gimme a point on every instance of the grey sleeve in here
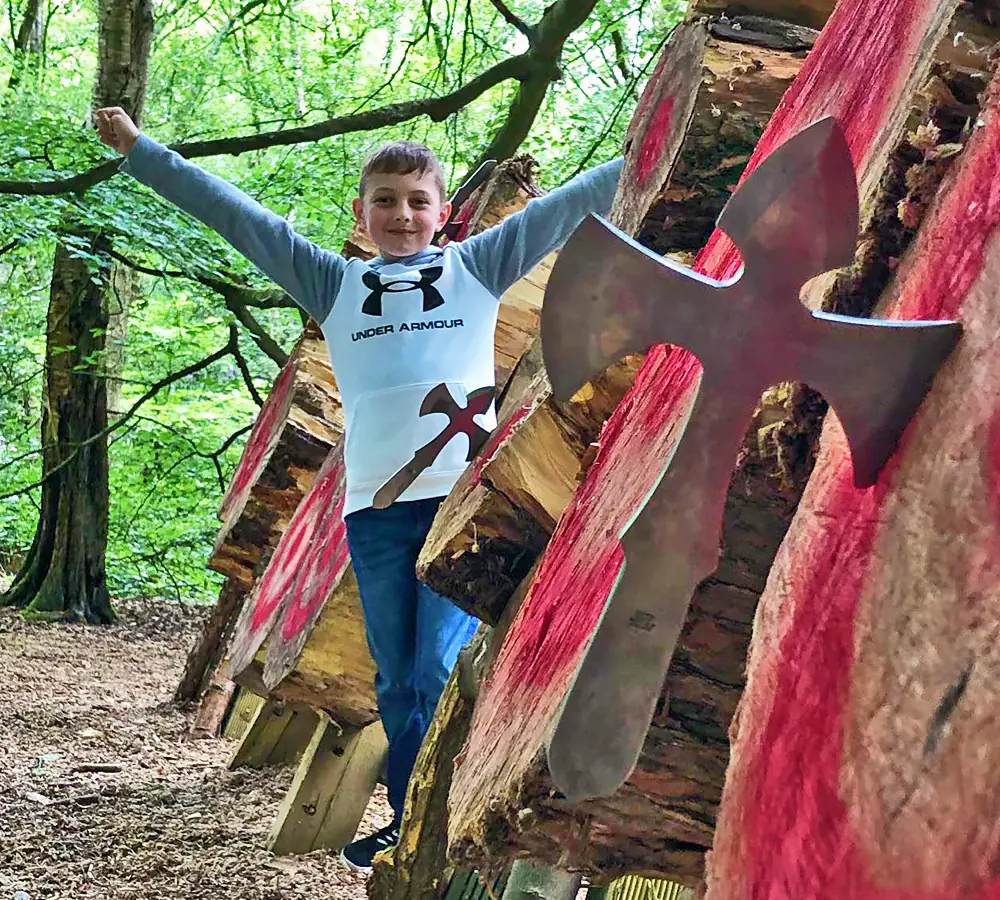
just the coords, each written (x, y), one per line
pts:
(310, 274)
(501, 255)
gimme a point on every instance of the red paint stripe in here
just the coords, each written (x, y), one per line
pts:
(654, 138)
(292, 550)
(321, 574)
(498, 436)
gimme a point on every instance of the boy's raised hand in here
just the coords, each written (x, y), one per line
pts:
(116, 128)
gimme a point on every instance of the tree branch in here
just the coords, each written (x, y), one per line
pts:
(241, 364)
(231, 24)
(558, 22)
(258, 298)
(512, 19)
(261, 338)
(437, 108)
(118, 423)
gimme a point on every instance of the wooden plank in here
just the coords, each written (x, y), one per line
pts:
(265, 730)
(241, 713)
(332, 786)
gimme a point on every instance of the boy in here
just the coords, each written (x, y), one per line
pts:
(434, 313)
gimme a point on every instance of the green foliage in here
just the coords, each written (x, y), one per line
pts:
(222, 68)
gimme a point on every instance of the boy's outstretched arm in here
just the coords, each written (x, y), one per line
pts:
(501, 255)
(310, 274)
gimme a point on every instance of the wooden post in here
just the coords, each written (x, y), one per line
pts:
(333, 784)
(536, 881)
(278, 734)
(242, 710)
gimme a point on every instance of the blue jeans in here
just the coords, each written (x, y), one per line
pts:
(414, 634)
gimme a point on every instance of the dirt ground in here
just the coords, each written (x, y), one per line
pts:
(166, 820)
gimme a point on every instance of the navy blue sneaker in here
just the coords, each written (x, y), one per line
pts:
(358, 855)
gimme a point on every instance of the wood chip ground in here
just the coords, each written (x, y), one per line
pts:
(102, 794)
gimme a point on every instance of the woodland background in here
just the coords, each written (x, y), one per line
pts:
(498, 79)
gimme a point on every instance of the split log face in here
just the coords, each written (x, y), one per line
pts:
(299, 422)
(863, 70)
(874, 677)
(498, 518)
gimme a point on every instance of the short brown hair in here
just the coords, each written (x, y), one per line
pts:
(401, 158)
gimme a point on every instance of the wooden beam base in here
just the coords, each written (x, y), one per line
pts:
(277, 735)
(334, 782)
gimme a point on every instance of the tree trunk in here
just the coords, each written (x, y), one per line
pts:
(64, 572)
(871, 684)
(28, 42)
(662, 821)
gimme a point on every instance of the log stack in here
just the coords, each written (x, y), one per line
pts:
(866, 742)
(874, 68)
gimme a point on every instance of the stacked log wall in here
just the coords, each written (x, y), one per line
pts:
(663, 820)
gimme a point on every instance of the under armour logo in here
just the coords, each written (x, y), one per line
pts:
(373, 302)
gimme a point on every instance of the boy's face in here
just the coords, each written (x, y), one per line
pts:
(402, 212)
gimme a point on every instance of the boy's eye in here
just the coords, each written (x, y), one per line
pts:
(383, 200)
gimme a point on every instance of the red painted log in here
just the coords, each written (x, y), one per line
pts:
(295, 551)
(317, 578)
(300, 421)
(867, 743)
(864, 69)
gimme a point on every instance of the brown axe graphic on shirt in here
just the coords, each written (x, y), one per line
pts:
(460, 421)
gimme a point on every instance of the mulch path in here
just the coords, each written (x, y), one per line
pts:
(102, 793)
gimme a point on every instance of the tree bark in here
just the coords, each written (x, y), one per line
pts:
(64, 573)
(662, 821)
(27, 43)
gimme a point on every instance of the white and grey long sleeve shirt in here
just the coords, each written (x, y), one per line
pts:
(394, 328)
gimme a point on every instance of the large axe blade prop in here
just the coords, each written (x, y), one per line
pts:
(795, 217)
(460, 421)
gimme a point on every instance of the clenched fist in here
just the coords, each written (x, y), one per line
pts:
(116, 128)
